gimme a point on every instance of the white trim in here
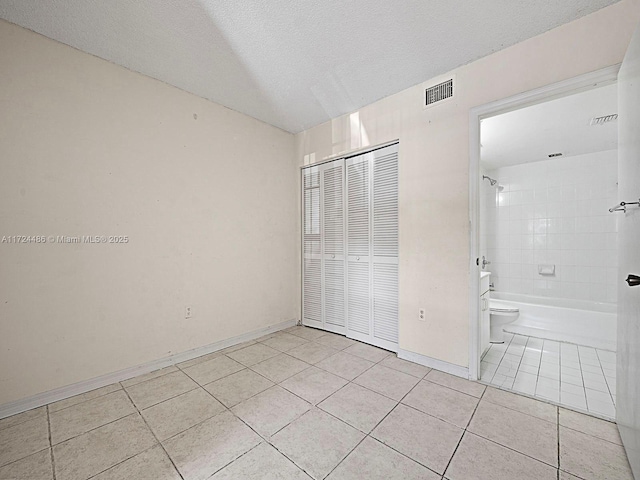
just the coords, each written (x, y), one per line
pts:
(441, 365)
(584, 82)
(44, 398)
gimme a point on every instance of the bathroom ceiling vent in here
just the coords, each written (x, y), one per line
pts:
(439, 92)
(603, 120)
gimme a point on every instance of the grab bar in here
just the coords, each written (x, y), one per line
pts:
(622, 206)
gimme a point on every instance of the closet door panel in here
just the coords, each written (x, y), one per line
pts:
(311, 238)
(385, 245)
(333, 245)
(358, 247)
(312, 305)
(358, 207)
(385, 302)
(359, 299)
(385, 203)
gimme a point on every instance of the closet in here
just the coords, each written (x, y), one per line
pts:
(350, 246)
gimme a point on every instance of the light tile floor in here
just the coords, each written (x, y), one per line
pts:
(334, 409)
(575, 376)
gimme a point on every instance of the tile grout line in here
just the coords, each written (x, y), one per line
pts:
(559, 383)
(368, 435)
(558, 434)
(605, 377)
(346, 423)
(521, 359)
(501, 359)
(121, 462)
(584, 386)
(84, 401)
(53, 461)
(464, 432)
(539, 365)
(154, 436)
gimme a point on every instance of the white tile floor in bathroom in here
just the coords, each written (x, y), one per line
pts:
(575, 376)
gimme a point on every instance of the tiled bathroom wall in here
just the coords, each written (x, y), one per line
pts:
(553, 213)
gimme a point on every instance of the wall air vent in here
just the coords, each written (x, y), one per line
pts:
(603, 120)
(439, 92)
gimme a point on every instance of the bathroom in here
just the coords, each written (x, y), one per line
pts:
(548, 177)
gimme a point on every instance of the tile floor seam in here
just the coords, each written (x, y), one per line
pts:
(227, 375)
(124, 460)
(84, 401)
(290, 459)
(572, 474)
(245, 399)
(168, 398)
(391, 447)
(444, 472)
(356, 428)
(53, 461)
(464, 432)
(188, 428)
(501, 358)
(512, 449)
(158, 442)
(121, 462)
(590, 435)
(558, 438)
(603, 374)
(137, 412)
(25, 421)
(425, 379)
(23, 458)
(538, 368)
(520, 394)
(403, 454)
(234, 460)
(342, 421)
(345, 457)
(268, 438)
(192, 426)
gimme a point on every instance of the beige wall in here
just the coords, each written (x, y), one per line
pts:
(210, 207)
(434, 164)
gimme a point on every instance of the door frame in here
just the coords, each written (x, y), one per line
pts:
(587, 81)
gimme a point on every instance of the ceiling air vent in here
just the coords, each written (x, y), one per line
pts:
(603, 120)
(438, 92)
(553, 155)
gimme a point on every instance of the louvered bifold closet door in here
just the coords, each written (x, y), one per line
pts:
(385, 246)
(332, 187)
(312, 304)
(358, 247)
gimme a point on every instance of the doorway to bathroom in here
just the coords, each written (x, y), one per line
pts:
(544, 303)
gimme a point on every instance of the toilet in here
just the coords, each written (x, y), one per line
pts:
(500, 314)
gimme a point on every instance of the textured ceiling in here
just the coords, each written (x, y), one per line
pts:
(293, 63)
(557, 126)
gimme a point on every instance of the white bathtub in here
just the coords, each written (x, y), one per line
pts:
(576, 321)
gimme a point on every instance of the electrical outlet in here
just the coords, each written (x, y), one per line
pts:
(187, 312)
(421, 315)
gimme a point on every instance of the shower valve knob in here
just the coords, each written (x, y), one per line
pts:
(633, 280)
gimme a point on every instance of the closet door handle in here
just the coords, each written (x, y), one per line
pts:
(357, 258)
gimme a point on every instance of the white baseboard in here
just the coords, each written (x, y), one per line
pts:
(84, 386)
(441, 365)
